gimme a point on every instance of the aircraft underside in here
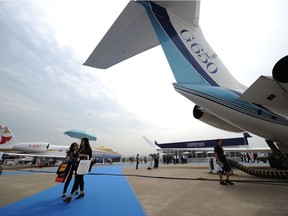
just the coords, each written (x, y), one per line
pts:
(242, 121)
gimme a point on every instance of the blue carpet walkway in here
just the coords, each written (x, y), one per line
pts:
(104, 195)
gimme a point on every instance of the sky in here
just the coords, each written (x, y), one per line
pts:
(46, 90)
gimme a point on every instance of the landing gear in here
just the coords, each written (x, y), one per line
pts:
(277, 159)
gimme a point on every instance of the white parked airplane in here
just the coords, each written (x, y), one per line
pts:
(237, 144)
(221, 101)
(11, 146)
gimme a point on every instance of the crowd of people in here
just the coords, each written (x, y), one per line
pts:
(143, 160)
(249, 157)
(76, 153)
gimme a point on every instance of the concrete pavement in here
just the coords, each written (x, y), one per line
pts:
(182, 189)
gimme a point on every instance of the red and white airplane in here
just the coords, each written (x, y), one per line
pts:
(11, 146)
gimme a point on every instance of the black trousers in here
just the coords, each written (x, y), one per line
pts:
(68, 178)
(79, 182)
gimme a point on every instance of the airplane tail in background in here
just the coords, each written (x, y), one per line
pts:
(6, 136)
(173, 24)
(151, 144)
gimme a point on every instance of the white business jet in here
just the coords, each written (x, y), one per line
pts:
(11, 146)
(221, 101)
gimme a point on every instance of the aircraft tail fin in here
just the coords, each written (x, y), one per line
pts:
(6, 136)
(246, 136)
(173, 24)
(151, 144)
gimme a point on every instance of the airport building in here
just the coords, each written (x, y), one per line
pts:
(200, 150)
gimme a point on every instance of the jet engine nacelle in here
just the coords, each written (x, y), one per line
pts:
(280, 70)
(31, 147)
(213, 120)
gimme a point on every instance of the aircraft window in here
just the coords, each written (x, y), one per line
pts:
(273, 117)
(259, 112)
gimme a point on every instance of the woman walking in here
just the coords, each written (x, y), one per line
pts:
(85, 152)
(71, 159)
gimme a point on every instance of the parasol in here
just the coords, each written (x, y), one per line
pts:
(80, 134)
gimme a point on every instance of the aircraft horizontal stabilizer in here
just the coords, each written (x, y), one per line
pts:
(133, 33)
(125, 38)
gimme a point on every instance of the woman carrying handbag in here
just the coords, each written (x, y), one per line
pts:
(85, 152)
(71, 158)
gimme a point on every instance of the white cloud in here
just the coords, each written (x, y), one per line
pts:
(45, 89)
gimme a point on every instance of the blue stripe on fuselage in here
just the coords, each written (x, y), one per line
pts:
(184, 67)
(229, 99)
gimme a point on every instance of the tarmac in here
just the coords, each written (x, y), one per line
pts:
(172, 189)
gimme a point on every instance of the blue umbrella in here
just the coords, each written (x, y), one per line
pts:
(79, 134)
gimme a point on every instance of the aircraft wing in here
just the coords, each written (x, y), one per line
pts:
(269, 93)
